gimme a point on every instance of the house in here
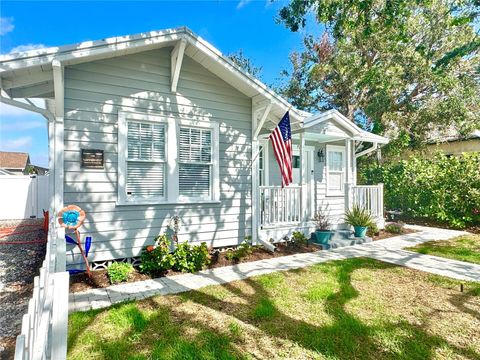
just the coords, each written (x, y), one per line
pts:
(452, 143)
(144, 127)
(18, 163)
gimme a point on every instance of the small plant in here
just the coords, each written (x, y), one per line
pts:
(119, 271)
(298, 239)
(321, 220)
(157, 259)
(191, 258)
(243, 250)
(373, 230)
(359, 216)
(394, 228)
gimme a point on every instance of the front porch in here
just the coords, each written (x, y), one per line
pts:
(325, 152)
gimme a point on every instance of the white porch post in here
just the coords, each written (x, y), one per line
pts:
(58, 159)
(303, 195)
(255, 184)
(348, 173)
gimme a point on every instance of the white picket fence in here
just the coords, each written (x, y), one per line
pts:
(369, 197)
(23, 197)
(44, 326)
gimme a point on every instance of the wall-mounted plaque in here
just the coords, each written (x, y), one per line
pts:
(92, 159)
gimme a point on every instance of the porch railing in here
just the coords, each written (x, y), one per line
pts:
(280, 205)
(369, 197)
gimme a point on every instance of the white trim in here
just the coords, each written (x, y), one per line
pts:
(262, 120)
(176, 63)
(341, 149)
(171, 156)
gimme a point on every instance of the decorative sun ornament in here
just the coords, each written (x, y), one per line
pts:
(71, 217)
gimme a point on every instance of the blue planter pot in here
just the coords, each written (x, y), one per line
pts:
(360, 231)
(322, 236)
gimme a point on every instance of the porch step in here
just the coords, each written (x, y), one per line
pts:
(338, 243)
(341, 235)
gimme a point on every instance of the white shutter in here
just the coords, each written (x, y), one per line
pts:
(195, 155)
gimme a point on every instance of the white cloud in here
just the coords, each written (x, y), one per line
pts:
(242, 3)
(6, 25)
(20, 143)
(27, 47)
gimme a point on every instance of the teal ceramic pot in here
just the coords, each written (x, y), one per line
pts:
(322, 236)
(360, 231)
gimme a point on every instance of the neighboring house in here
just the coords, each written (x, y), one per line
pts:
(454, 144)
(18, 163)
(148, 126)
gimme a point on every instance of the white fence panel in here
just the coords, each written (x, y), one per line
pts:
(23, 197)
(44, 326)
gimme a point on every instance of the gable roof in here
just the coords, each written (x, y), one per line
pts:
(354, 131)
(30, 72)
(14, 160)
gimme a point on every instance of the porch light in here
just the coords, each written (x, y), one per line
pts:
(320, 155)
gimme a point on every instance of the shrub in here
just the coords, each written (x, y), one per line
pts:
(394, 228)
(243, 250)
(359, 216)
(373, 230)
(191, 258)
(119, 271)
(443, 189)
(157, 259)
(298, 239)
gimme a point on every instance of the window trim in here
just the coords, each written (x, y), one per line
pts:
(171, 157)
(335, 148)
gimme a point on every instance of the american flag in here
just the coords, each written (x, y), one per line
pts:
(281, 138)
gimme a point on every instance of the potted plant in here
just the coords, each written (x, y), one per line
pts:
(360, 218)
(322, 227)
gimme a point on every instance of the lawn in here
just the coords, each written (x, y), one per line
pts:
(349, 309)
(463, 248)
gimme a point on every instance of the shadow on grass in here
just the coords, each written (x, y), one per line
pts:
(167, 332)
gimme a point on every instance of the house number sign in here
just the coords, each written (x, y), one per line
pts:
(92, 159)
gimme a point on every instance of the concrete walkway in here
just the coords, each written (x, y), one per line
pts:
(387, 250)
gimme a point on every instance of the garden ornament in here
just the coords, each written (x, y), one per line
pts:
(72, 217)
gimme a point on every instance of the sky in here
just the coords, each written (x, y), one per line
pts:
(229, 25)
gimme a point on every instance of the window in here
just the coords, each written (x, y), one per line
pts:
(154, 167)
(145, 160)
(296, 161)
(335, 170)
(195, 167)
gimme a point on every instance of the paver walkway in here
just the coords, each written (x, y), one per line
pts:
(387, 250)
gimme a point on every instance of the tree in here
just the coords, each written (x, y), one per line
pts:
(245, 63)
(409, 67)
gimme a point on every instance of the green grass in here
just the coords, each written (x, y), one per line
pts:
(350, 309)
(463, 248)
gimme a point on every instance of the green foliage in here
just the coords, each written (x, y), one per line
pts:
(298, 239)
(443, 189)
(189, 258)
(243, 250)
(394, 228)
(411, 66)
(373, 230)
(119, 271)
(155, 260)
(359, 216)
(245, 63)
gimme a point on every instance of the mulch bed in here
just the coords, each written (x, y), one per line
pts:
(21, 255)
(385, 234)
(80, 282)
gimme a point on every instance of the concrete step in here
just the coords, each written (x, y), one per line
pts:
(338, 243)
(341, 235)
